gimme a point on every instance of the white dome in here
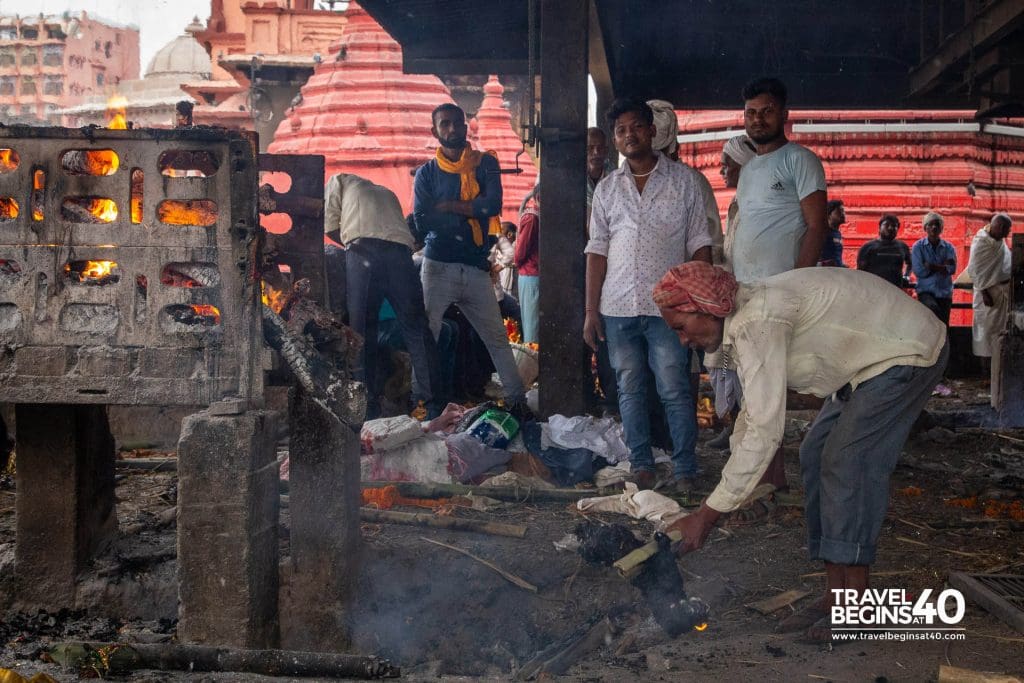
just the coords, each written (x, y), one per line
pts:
(182, 57)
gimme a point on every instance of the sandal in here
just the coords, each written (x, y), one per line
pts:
(802, 619)
(751, 514)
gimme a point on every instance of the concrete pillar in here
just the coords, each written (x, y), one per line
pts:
(324, 540)
(227, 529)
(65, 503)
(564, 366)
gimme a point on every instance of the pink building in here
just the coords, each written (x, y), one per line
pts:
(51, 63)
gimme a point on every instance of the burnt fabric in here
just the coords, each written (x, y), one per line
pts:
(697, 287)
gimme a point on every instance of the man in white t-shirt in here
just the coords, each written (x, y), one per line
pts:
(781, 193)
(781, 196)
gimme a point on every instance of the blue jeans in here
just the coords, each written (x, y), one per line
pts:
(633, 344)
(849, 454)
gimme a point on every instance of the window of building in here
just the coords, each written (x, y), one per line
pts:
(54, 85)
(96, 46)
(6, 85)
(7, 57)
(117, 38)
(99, 78)
(107, 47)
(29, 57)
(8, 33)
(29, 33)
(53, 55)
(28, 110)
(5, 110)
(28, 85)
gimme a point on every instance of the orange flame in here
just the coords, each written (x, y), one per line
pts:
(136, 197)
(705, 413)
(116, 115)
(104, 209)
(701, 627)
(273, 298)
(38, 184)
(207, 311)
(200, 212)
(8, 208)
(91, 270)
(8, 160)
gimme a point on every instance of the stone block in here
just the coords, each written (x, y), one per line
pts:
(325, 538)
(103, 361)
(65, 502)
(166, 362)
(227, 530)
(41, 361)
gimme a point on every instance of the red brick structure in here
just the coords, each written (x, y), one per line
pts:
(901, 162)
(494, 132)
(362, 113)
(51, 63)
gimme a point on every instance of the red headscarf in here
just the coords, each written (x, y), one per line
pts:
(697, 287)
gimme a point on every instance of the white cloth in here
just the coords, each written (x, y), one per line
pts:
(989, 268)
(740, 149)
(666, 127)
(648, 505)
(360, 208)
(602, 436)
(772, 226)
(503, 254)
(643, 236)
(813, 330)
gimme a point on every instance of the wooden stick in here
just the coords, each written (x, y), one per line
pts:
(629, 565)
(431, 520)
(777, 602)
(506, 575)
(181, 657)
(155, 464)
(412, 489)
(886, 573)
(904, 539)
(953, 674)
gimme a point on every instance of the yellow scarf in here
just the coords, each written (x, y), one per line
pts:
(466, 167)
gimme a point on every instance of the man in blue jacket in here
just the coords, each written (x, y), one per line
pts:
(456, 206)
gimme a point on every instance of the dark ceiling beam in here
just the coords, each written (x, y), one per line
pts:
(598, 58)
(995, 22)
(463, 67)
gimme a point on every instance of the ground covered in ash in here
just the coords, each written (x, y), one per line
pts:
(438, 613)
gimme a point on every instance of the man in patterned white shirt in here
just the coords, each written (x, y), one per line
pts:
(647, 217)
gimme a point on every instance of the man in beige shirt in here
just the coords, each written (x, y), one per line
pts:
(367, 220)
(873, 353)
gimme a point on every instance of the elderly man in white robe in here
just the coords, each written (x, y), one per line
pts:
(989, 269)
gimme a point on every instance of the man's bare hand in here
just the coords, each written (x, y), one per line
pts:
(592, 330)
(695, 528)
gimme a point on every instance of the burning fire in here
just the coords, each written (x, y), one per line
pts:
(8, 209)
(98, 271)
(705, 413)
(701, 627)
(273, 298)
(136, 199)
(200, 212)
(210, 314)
(8, 160)
(116, 115)
(38, 185)
(105, 210)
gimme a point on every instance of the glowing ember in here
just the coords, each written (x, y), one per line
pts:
(8, 209)
(209, 314)
(92, 272)
(273, 298)
(136, 198)
(104, 209)
(38, 187)
(705, 413)
(200, 212)
(700, 627)
(8, 160)
(116, 115)
(90, 162)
